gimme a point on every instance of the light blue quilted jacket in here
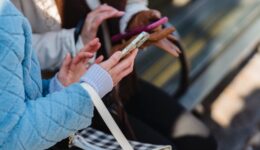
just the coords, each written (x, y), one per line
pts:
(30, 118)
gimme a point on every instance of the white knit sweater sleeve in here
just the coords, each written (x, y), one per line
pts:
(132, 7)
(52, 47)
(50, 42)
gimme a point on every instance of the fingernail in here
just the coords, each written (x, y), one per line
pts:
(118, 53)
(96, 39)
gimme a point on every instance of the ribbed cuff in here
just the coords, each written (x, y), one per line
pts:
(55, 85)
(131, 10)
(99, 79)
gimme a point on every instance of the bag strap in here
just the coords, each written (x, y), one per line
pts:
(108, 119)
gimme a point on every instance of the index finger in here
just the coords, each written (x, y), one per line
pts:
(92, 46)
(103, 7)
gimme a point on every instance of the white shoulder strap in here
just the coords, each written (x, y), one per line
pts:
(108, 119)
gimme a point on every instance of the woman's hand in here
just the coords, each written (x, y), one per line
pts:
(160, 37)
(117, 68)
(95, 18)
(73, 68)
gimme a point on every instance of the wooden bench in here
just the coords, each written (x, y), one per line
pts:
(217, 36)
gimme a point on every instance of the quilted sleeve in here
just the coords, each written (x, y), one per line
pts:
(27, 124)
(42, 122)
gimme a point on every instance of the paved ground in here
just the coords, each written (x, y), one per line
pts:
(236, 112)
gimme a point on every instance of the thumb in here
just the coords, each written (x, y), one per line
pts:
(112, 61)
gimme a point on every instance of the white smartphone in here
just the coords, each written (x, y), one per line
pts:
(136, 43)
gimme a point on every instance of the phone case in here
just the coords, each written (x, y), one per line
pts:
(138, 30)
(136, 43)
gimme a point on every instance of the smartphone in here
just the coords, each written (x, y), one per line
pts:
(135, 31)
(136, 43)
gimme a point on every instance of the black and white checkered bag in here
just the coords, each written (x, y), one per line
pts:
(91, 139)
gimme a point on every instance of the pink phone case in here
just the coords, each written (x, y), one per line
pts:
(138, 30)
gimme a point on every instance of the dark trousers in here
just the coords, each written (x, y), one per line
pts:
(152, 110)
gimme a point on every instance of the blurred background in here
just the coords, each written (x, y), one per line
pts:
(217, 77)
